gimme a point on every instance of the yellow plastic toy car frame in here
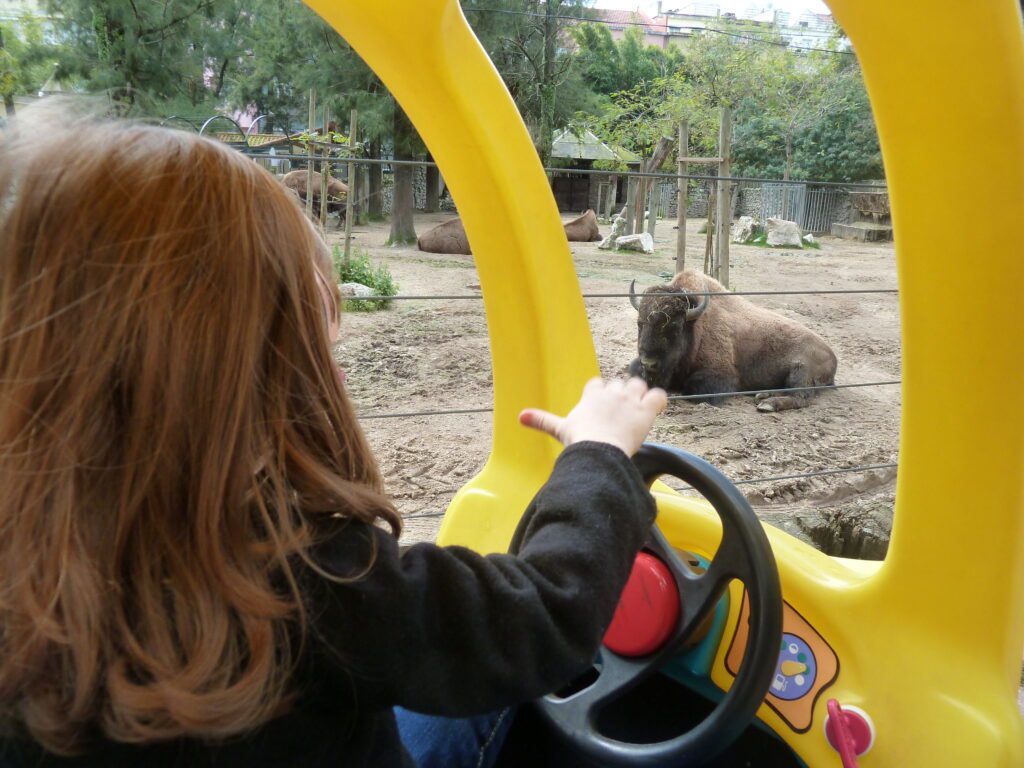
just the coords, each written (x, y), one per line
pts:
(929, 640)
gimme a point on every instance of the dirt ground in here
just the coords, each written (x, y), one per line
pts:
(434, 355)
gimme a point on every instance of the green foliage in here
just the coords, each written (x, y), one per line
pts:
(23, 69)
(144, 55)
(360, 270)
(608, 66)
(797, 114)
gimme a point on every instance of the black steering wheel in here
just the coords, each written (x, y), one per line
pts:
(744, 554)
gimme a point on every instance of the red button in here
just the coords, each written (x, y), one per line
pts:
(648, 609)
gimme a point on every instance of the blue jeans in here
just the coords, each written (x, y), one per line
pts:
(454, 742)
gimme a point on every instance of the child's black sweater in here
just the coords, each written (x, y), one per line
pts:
(439, 630)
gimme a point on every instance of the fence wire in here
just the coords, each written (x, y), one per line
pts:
(478, 297)
(411, 414)
(802, 475)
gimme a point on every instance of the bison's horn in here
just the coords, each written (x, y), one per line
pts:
(633, 298)
(695, 312)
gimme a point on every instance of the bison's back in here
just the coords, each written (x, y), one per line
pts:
(765, 348)
(448, 237)
(297, 182)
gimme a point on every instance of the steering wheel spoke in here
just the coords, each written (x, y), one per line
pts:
(743, 554)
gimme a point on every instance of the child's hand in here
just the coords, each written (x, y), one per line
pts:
(617, 412)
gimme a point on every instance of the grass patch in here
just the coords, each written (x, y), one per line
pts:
(360, 270)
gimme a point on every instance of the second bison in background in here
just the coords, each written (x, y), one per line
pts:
(450, 236)
(337, 191)
(697, 345)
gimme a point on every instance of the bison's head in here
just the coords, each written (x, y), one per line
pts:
(665, 331)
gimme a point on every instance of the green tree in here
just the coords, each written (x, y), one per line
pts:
(23, 68)
(610, 66)
(141, 54)
(530, 44)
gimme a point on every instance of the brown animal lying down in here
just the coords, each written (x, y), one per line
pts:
(450, 237)
(702, 345)
(337, 191)
(584, 229)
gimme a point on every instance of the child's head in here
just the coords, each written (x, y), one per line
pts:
(172, 430)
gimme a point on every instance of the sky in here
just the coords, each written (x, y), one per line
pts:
(727, 6)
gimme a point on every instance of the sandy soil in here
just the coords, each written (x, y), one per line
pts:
(434, 355)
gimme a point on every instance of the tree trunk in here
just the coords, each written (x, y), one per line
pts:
(547, 85)
(374, 206)
(433, 188)
(403, 229)
(789, 157)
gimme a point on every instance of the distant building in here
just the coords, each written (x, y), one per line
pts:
(803, 29)
(618, 22)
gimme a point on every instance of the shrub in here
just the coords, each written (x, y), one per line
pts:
(360, 270)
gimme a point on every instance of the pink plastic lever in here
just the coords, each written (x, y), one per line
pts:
(849, 732)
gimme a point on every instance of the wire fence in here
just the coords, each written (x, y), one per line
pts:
(702, 396)
(812, 204)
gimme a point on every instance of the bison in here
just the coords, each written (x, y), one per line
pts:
(583, 229)
(447, 237)
(450, 236)
(337, 191)
(695, 345)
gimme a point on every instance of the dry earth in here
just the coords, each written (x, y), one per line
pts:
(434, 355)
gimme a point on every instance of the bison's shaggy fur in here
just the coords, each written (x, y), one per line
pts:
(731, 345)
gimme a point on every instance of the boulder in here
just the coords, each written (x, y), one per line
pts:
(583, 229)
(355, 289)
(618, 230)
(447, 237)
(783, 233)
(743, 230)
(642, 242)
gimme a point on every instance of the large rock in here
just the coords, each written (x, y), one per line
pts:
(584, 229)
(618, 230)
(448, 237)
(642, 242)
(355, 289)
(743, 230)
(783, 233)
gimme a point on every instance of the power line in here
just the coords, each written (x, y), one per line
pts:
(256, 153)
(654, 28)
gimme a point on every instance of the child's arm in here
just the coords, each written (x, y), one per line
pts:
(444, 630)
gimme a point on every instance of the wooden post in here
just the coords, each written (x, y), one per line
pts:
(724, 223)
(639, 201)
(631, 186)
(325, 173)
(652, 207)
(363, 202)
(309, 153)
(709, 265)
(682, 185)
(349, 207)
